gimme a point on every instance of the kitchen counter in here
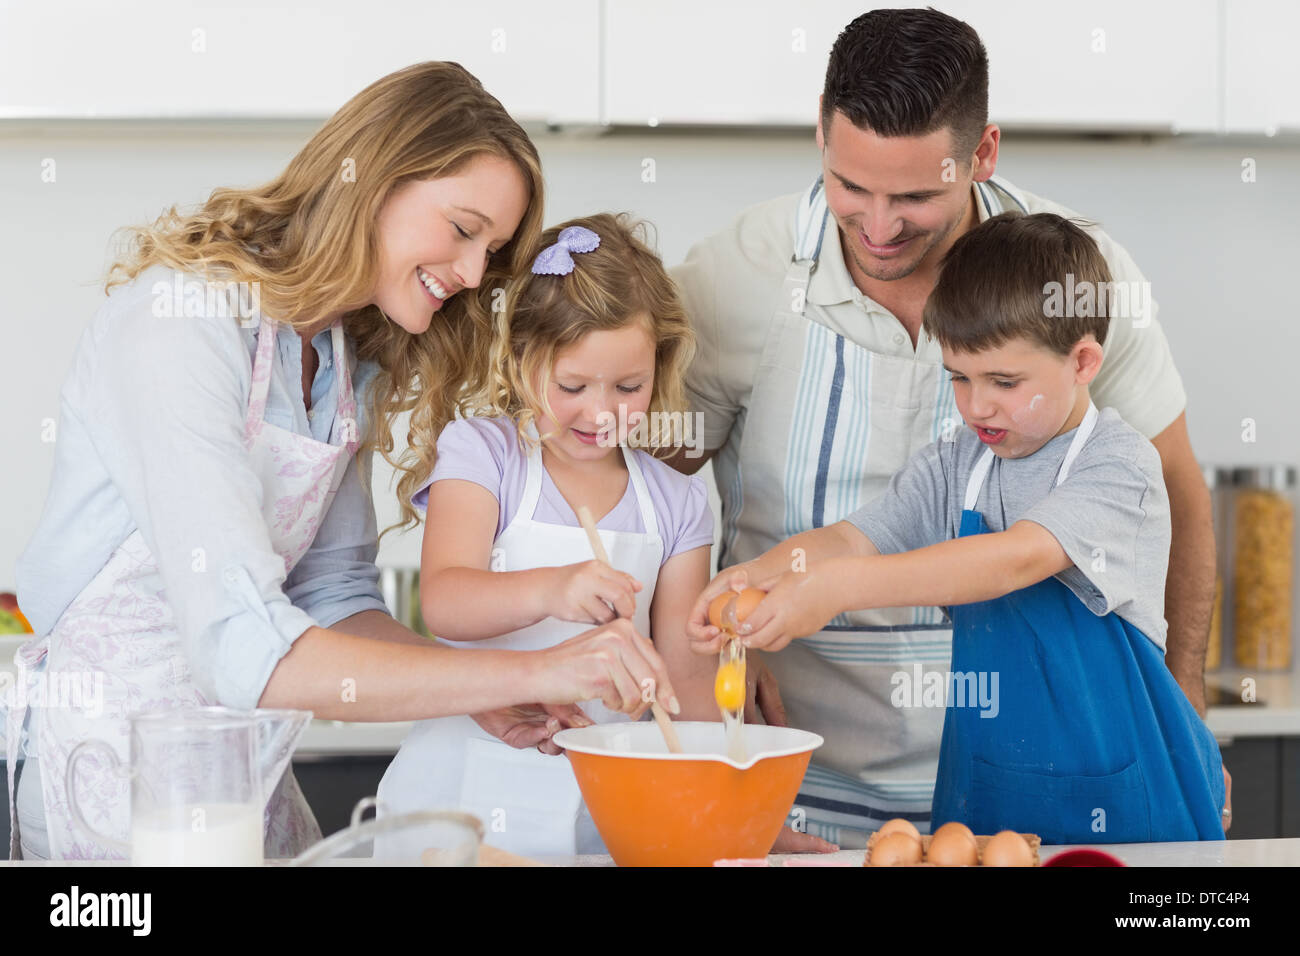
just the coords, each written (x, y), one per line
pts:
(1208, 854)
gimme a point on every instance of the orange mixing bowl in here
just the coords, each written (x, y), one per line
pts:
(654, 808)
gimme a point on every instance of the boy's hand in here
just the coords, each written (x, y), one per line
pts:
(590, 593)
(798, 604)
(704, 637)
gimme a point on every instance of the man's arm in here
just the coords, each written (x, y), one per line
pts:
(688, 464)
(1189, 586)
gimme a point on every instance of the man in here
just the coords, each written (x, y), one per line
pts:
(816, 384)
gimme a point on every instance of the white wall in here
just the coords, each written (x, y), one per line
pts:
(1220, 253)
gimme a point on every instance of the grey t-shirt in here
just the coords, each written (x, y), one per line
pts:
(1110, 515)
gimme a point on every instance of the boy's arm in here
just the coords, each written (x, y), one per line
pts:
(960, 571)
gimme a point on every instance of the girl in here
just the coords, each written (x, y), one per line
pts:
(209, 535)
(591, 337)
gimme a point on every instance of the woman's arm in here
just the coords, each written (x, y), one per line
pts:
(680, 580)
(960, 571)
(341, 676)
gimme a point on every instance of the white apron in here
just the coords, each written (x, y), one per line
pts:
(529, 802)
(831, 422)
(121, 627)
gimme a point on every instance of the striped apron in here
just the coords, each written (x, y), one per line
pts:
(827, 425)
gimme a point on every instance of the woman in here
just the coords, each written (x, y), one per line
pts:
(209, 535)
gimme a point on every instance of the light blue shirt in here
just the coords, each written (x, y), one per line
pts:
(151, 437)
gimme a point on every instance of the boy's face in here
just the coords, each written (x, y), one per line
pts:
(1020, 395)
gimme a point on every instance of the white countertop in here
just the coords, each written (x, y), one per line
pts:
(1275, 714)
(1208, 854)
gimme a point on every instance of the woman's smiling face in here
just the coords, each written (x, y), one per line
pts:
(436, 236)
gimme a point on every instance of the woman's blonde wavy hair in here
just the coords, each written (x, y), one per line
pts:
(309, 238)
(619, 282)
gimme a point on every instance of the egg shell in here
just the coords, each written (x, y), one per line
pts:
(952, 826)
(952, 848)
(746, 601)
(1007, 848)
(899, 825)
(895, 849)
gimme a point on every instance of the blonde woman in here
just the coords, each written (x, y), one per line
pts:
(208, 535)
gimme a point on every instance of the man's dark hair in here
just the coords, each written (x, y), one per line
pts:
(909, 73)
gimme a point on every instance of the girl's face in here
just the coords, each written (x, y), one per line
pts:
(603, 379)
(1020, 396)
(435, 236)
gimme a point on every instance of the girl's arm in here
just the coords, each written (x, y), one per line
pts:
(464, 600)
(960, 571)
(680, 580)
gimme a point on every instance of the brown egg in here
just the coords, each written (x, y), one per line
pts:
(746, 601)
(1008, 848)
(899, 825)
(952, 826)
(895, 849)
(951, 847)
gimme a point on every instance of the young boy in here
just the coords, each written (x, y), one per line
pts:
(1043, 526)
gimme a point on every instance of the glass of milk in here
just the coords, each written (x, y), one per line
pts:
(200, 780)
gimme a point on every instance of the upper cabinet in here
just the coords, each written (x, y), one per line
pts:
(1104, 64)
(164, 58)
(1261, 69)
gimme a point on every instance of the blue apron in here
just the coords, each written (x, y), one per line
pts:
(1091, 741)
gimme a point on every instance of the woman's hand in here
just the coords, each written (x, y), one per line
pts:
(799, 603)
(590, 593)
(532, 725)
(613, 664)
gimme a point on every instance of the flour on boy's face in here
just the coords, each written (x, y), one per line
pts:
(1015, 397)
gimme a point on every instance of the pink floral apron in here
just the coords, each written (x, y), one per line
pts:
(121, 627)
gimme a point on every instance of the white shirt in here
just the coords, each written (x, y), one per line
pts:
(151, 437)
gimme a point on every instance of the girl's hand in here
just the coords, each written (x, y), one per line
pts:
(798, 604)
(612, 663)
(704, 637)
(590, 593)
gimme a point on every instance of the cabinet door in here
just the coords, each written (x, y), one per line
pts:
(1104, 64)
(161, 58)
(725, 62)
(1262, 71)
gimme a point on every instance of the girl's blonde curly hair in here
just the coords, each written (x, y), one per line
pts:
(620, 282)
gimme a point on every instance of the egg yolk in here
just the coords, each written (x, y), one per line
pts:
(729, 687)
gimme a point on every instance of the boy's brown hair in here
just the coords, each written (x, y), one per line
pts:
(1039, 277)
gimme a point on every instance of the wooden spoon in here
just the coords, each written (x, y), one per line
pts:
(598, 549)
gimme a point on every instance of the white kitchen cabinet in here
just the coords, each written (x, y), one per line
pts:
(170, 58)
(1103, 64)
(1262, 71)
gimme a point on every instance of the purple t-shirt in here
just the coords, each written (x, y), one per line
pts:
(486, 451)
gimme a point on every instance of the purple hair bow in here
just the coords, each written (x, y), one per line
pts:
(556, 260)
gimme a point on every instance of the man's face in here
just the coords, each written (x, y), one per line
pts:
(892, 197)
